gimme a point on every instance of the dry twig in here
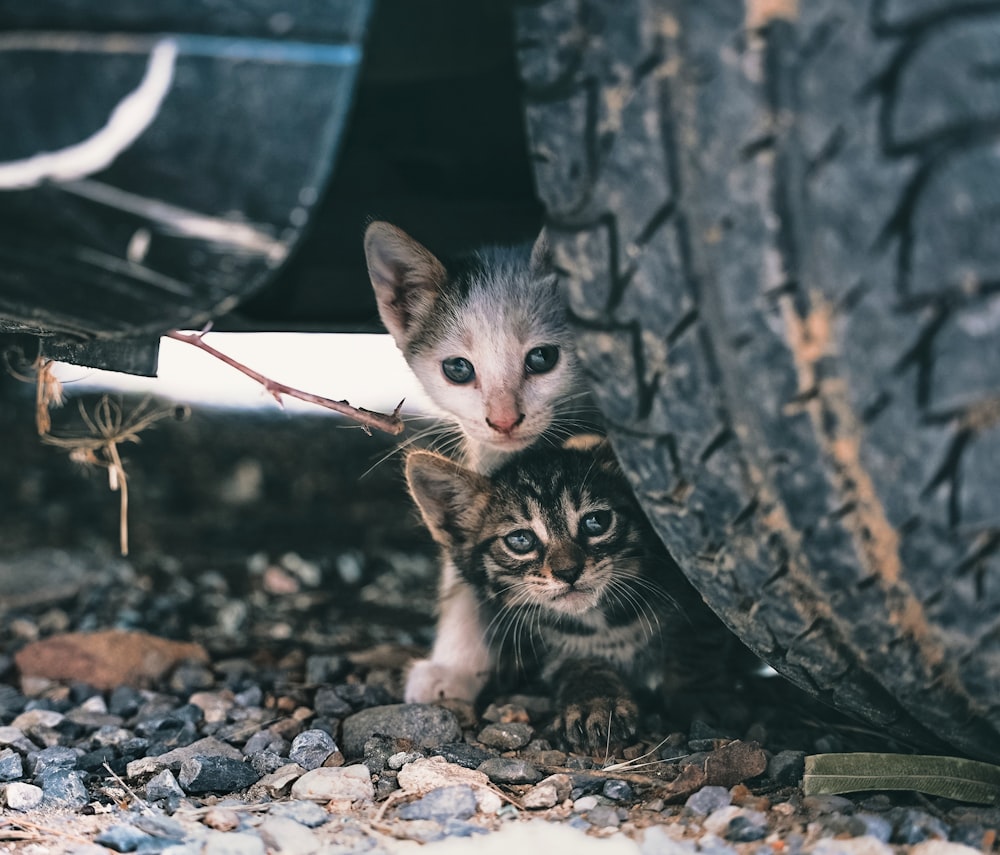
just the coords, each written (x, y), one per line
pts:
(48, 387)
(108, 426)
(391, 424)
(23, 829)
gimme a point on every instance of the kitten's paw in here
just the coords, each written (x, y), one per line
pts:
(601, 725)
(428, 682)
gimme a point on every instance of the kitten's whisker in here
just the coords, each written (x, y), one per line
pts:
(400, 447)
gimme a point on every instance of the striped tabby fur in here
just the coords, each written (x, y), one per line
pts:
(573, 585)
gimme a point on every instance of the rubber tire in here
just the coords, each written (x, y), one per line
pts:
(774, 231)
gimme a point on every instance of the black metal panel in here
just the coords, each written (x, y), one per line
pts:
(153, 180)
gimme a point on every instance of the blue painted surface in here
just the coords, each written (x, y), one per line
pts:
(267, 50)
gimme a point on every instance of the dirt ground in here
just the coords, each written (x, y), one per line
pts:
(287, 543)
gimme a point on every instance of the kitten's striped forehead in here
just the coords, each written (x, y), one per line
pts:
(547, 496)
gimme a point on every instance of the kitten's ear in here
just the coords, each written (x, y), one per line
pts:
(451, 498)
(597, 445)
(406, 278)
(541, 255)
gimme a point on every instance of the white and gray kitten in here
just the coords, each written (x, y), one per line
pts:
(487, 338)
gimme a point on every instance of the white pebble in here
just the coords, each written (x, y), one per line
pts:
(288, 836)
(335, 783)
(718, 820)
(866, 845)
(20, 796)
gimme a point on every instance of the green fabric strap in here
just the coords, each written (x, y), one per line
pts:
(950, 777)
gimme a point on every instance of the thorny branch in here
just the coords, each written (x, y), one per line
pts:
(391, 424)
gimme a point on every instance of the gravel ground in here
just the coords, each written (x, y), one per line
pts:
(248, 699)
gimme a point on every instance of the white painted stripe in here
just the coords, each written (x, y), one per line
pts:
(181, 221)
(129, 119)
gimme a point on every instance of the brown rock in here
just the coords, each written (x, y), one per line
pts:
(725, 767)
(106, 659)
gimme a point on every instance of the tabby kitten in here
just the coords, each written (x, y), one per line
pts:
(487, 338)
(574, 586)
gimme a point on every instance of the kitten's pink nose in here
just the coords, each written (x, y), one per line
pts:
(505, 422)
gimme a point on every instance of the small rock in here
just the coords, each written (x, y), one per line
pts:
(328, 703)
(747, 826)
(111, 735)
(385, 784)
(915, 826)
(163, 786)
(232, 843)
(378, 749)
(710, 844)
(702, 730)
(105, 659)
(604, 816)
(786, 768)
(827, 804)
(506, 736)
(124, 701)
(123, 838)
(718, 820)
(504, 770)
(30, 719)
(585, 803)
(853, 846)
(266, 762)
(215, 775)
(616, 790)
(398, 760)
(279, 782)
(14, 737)
(427, 726)
(421, 830)
(325, 669)
(20, 796)
(311, 748)
(260, 741)
(11, 767)
(941, 847)
(877, 802)
(215, 706)
(287, 836)
(335, 783)
(431, 773)
(63, 788)
(969, 834)
(460, 828)
(57, 757)
(707, 800)
(875, 826)
(547, 793)
(306, 813)
(221, 819)
(174, 759)
(463, 754)
(442, 804)
(363, 695)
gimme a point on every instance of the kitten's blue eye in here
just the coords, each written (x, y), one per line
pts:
(541, 359)
(595, 523)
(521, 541)
(458, 369)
